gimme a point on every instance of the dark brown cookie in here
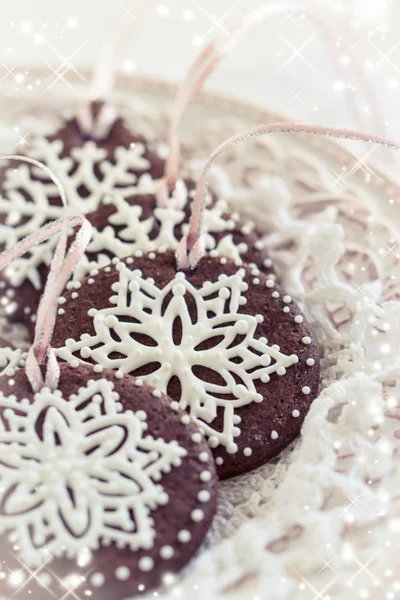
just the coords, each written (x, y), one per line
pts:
(229, 345)
(89, 170)
(105, 489)
(125, 226)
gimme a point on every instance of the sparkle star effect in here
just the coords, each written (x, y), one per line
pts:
(128, 11)
(319, 594)
(385, 58)
(66, 66)
(359, 164)
(363, 568)
(216, 22)
(390, 250)
(298, 53)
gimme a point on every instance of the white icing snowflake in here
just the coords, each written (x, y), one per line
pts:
(138, 331)
(141, 234)
(10, 359)
(78, 172)
(76, 472)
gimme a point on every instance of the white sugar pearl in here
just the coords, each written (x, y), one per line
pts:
(196, 438)
(306, 390)
(111, 321)
(295, 413)
(204, 496)
(310, 362)
(86, 352)
(166, 552)
(242, 326)
(281, 371)
(275, 294)
(203, 456)
(270, 283)
(274, 435)
(224, 293)
(286, 309)
(179, 289)
(298, 319)
(218, 461)
(306, 340)
(122, 573)
(247, 451)
(205, 476)
(97, 368)
(184, 536)
(185, 419)
(287, 299)
(197, 515)
(267, 262)
(146, 563)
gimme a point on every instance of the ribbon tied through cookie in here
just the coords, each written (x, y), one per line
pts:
(62, 266)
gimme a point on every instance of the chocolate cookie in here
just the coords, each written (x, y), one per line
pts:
(227, 344)
(89, 170)
(123, 227)
(105, 489)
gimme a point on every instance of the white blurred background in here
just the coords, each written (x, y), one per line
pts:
(282, 64)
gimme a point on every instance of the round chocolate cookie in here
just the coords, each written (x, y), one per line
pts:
(231, 347)
(88, 170)
(137, 225)
(105, 490)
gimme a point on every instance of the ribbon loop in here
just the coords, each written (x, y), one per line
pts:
(205, 64)
(190, 249)
(62, 266)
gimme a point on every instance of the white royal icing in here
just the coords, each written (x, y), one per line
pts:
(10, 359)
(140, 308)
(88, 169)
(141, 234)
(24, 216)
(76, 471)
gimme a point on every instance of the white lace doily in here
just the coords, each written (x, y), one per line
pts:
(322, 521)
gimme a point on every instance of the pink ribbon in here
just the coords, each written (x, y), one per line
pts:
(191, 247)
(213, 53)
(61, 268)
(103, 76)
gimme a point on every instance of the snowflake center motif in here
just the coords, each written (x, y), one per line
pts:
(75, 473)
(196, 335)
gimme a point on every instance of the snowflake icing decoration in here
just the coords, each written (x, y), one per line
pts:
(75, 473)
(79, 175)
(11, 359)
(138, 331)
(156, 233)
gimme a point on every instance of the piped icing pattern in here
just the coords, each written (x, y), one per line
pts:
(115, 190)
(189, 336)
(125, 226)
(99, 477)
(140, 309)
(10, 360)
(79, 473)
